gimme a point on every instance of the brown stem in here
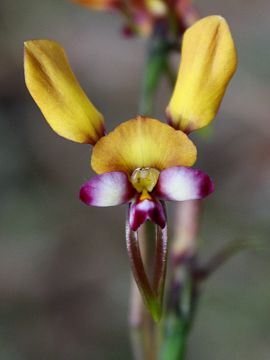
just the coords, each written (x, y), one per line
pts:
(137, 267)
(142, 332)
(223, 255)
(186, 228)
(161, 262)
(136, 323)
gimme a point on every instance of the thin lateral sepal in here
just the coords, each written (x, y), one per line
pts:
(150, 298)
(160, 261)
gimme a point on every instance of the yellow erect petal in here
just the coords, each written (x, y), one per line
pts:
(142, 143)
(208, 63)
(100, 4)
(58, 94)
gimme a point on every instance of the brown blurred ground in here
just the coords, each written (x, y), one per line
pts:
(64, 273)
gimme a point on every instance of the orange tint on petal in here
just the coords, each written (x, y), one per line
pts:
(208, 62)
(55, 89)
(142, 142)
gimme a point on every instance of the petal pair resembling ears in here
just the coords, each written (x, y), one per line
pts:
(208, 62)
(58, 94)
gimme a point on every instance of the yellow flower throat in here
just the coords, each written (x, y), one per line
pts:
(144, 180)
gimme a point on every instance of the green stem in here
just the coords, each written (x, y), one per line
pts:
(174, 348)
(183, 290)
(179, 317)
(156, 66)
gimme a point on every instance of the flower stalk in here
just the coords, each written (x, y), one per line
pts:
(142, 326)
(159, 46)
(140, 322)
(183, 290)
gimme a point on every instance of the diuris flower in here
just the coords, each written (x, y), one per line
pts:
(140, 162)
(143, 162)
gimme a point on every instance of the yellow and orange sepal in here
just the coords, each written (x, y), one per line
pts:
(55, 89)
(208, 61)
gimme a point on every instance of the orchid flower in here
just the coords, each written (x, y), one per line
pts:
(142, 162)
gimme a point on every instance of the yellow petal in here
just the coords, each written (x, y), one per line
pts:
(58, 94)
(99, 4)
(142, 143)
(208, 63)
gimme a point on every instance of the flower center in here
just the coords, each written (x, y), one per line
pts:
(144, 180)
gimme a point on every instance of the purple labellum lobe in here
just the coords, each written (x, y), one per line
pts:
(140, 211)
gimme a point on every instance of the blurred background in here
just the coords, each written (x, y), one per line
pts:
(64, 272)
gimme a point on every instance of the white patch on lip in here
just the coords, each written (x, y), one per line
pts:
(108, 189)
(146, 205)
(182, 183)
